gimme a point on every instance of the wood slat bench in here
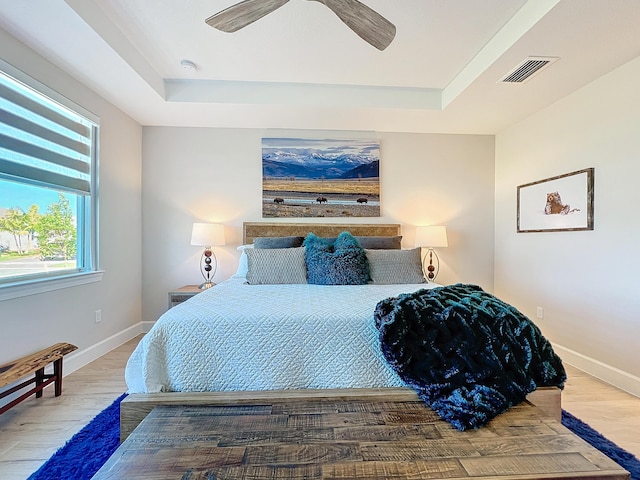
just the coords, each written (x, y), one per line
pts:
(35, 363)
(309, 435)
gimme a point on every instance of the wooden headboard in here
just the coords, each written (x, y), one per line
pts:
(250, 230)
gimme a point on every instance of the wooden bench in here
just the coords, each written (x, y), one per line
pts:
(35, 363)
(312, 435)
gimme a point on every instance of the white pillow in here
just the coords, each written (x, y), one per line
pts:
(243, 266)
(395, 266)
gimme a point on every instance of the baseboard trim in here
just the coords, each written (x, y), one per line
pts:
(80, 358)
(146, 326)
(612, 375)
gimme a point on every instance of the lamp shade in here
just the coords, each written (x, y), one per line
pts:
(431, 236)
(207, 234)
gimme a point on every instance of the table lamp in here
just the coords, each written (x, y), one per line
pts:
(207, 235)
(430, 237)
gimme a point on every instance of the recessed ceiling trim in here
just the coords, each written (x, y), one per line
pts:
(93, 16)
(526, 69)
(301, 94)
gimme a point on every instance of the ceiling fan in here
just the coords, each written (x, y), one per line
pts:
(367, 23)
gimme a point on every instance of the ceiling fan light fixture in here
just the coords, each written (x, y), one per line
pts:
(188, 65)
(368, 24)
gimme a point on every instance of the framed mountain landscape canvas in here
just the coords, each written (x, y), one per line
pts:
(320, 178)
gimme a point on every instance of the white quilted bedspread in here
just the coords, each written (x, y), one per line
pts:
(265, 337)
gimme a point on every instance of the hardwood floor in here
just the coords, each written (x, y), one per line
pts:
(32, 431)
(612, 412)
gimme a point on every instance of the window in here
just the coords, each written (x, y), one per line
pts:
(48, 149)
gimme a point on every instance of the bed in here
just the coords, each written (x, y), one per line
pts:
(249, 338)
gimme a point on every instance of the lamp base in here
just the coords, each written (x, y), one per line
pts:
(208, 270)
(431, 271)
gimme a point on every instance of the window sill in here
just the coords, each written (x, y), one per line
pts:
(33, 287)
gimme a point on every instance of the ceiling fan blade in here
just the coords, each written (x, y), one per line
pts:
(367, 23)
(242, 14)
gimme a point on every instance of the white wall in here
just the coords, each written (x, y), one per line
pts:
(203, 174)
(68, 315)
(587, 282)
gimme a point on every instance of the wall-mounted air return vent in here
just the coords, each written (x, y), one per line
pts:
(527, 68)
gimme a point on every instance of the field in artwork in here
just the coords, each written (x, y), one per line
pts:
(320, 197)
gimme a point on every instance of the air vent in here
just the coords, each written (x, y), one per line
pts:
(527, 68)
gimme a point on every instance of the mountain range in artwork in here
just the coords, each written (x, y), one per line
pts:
(338, 169)
(320, 178)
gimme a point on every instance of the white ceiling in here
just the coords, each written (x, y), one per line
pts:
(301, 67)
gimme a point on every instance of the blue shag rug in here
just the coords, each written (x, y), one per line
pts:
(626, 460)
(91, 447)
(83, 455)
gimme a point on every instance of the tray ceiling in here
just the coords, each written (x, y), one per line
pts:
(301, 67)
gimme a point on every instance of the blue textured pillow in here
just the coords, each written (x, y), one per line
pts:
(339, 262)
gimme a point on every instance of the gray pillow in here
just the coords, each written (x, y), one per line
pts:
(381, 243)
(270, 266)
(395, 266)
(375, 243)
(277, 242)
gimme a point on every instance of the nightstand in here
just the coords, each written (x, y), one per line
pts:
(182, 294)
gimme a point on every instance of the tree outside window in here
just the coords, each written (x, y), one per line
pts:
(49, 236)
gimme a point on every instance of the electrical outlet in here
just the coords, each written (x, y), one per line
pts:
(98, 316)
(540, 312)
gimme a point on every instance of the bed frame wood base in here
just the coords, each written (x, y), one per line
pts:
(135, 407)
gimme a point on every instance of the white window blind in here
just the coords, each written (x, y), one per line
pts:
(43, 142)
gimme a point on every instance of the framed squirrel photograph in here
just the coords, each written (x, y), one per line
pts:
(557, 204)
